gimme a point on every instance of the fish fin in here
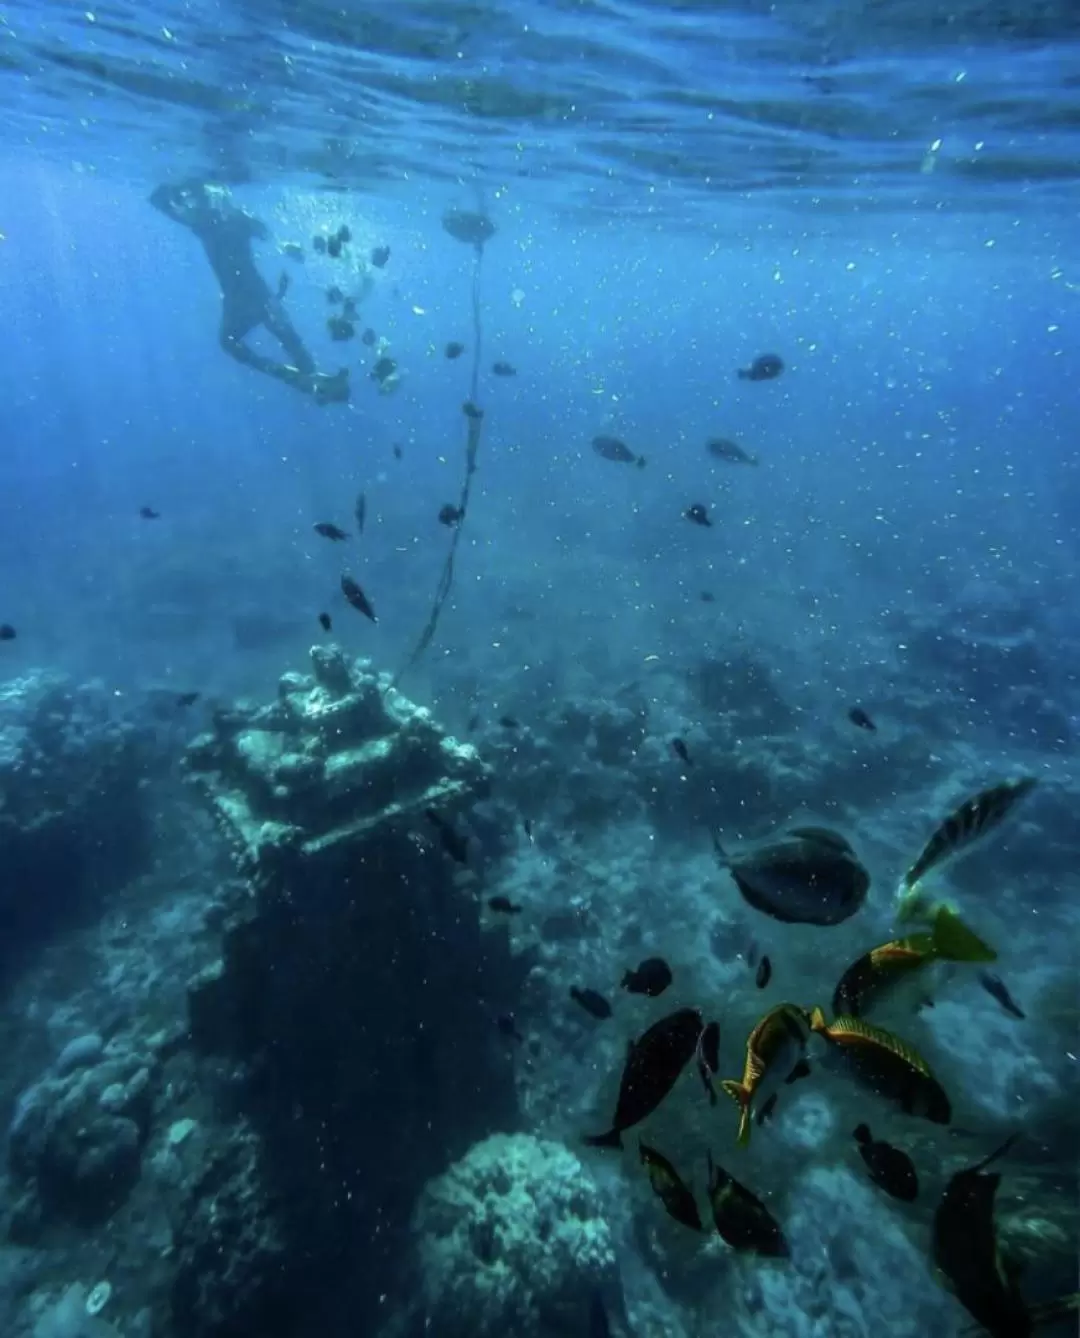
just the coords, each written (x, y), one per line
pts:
(612, 1139)
(862, 1134)
(741, 1096)
(998, 1152)
(721, 853)
(817, 1021)
(912, 903)
(955, 942)
(801, 1070)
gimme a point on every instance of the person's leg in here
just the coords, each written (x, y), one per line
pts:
(325, 389)
(277, 322)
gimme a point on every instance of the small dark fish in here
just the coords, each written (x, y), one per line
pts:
(282, 285)
(966, 1250)
(997, 989)
(858, 716)
(319, 243)
(508, 1028)
(698, 515)
(397, 451)
(7, 632)
(340, 329)
(357, 598)
(473, 411)
(652, 977)
(611, 448)
(379, 256)
(764, 973)
(473, 722)
(325, 622)
(504, 906)
(455, 845)
(503, 369)
(329, 530)
(334, 294)
(707, 597)
(333, 247)
(669, 1188)
(765, 367)
(594, 1003)
(708, 1058)
(368, 338)
(810, 875)
(148, 513)
(890, 1169)
(653, 1065)
(973, 819)
(360, 511)
(722, 449)
(187, 698)
(383, 370)
(527, 828)
(454, 350)
(741, 1219)
(348, 307)
(344, 234)
(681, 751)
(509, 722)
(451, 515)
(886, 1065)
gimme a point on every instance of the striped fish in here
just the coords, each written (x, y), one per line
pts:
(885, 1064)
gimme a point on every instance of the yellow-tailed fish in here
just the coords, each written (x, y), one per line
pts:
(885, 1064)
(878, 972)
(775, 1054)
(973, 819)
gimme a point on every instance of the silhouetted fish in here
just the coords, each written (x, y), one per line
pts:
(611, 448)
(765, 367)
(504, 905)
(593, 1002)
(741, 1218)
(720, 448)
(379, 256)
(858, 716)
(811, 875)
(453, 350)
(452, 841)
(764, 973)
(653, 1065)
(891, 1169)
(328, 530)
(360, 511)
(148, 513)
(652, 977)
(503, 369)
(357, 598)
(669, 1188)
(997, 989)
(698, 515)
(325, 622)
(7, 632)
(681, 751)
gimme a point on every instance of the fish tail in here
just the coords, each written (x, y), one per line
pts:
(612, 1139)
(817, 1021)
(740, 1094)
(721, 853)
(955, 942)
(997, 1152)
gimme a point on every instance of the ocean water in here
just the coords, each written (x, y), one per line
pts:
(275, 1063)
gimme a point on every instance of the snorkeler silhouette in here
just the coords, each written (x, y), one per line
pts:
(226, 233)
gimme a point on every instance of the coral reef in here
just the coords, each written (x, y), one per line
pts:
(72, 820)
(511, 1239)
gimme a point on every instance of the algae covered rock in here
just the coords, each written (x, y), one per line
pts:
(511, 1239)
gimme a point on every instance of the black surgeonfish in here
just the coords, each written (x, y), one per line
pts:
(810, 875)
(886, 1065)
(652, 1068)
(974, 818)
(720, 448)
(765, 367)
(891, 1169)
(669, 1188)
(612, 448)
(965, 1249)
(740, 1217)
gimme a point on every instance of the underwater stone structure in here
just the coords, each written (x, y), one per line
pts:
(356, 985)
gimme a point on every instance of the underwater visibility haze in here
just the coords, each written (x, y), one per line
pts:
(539, 642)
